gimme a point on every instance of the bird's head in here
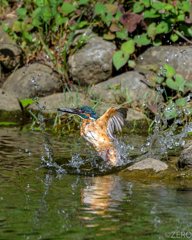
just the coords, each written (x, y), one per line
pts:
(83, 112)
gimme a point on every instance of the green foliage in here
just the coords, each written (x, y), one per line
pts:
(49, 24)
(26, 102)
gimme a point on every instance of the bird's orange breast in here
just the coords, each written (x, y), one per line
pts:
(95, 132)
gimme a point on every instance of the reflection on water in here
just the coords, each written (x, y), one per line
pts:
(40, 203)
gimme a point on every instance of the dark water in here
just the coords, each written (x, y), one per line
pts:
(57, 203)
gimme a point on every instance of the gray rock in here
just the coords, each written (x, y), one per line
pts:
(102, 108)
(60, 100)
(177, 57)
(185, 159)
(93, 62)
(133, 114)
(8, 48)
(149, 163)
(35, 80)
(8, 102)
(130, 81)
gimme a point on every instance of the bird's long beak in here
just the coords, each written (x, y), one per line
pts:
(68, 110)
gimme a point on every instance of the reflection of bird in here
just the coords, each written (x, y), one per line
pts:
(99, 130)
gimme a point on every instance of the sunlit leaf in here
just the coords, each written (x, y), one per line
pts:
(109, 36)
(21, 12)
(131, 63)
(151, 30)
(142, 39)
(177, 84)
(137, 7)
(151, 14)
(67, 8)
(170, 70)
(147, 3)
(7, 123)
(100, 8)
(120, 59)
(181, 102)
(185, 6)
(174, 37)
(158, 5)
(157, 42)
(128, 47)
(26, 102)
(118, 15)
(123, 34)
(188, 84)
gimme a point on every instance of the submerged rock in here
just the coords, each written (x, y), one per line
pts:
(9, 50)
(185, 159)
(8, 102)
(149, 163)
(60, 100)
(125, 86)
(31, 81)
(93, 62)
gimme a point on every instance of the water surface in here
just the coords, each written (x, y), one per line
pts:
(61, 201)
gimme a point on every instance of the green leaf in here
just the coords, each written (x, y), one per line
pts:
(170, 70)
(107, 19)
(157, 42)
(26, 102)
(170, 111)
(82, 24)
(21, 12)
(109, 36)
(174, 37)
(36, 13)
(151, 14)
(159, 80)
(100, 8)
(185, 6)
(180, 17)
(120, 59)
(178, 84)
(158, 5)
(81, 2)
(67, 8)
(60, 19)
(151, 30)
(147, 3)
(168, 7)
(162, 27)
(142, 39)
(41, 3)
(137, 7)
(118, 15)
(186, 30)
(128, 47)
(27, 35)
(111, 8)
(181, 102)
(36, 22)
(131, 63)
(123, 34)
(188, 84)
(20, 26)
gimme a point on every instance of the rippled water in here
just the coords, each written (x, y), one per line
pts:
(71, 201)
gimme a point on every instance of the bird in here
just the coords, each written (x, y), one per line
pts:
(99, 130)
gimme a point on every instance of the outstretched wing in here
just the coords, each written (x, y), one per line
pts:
(116, 122)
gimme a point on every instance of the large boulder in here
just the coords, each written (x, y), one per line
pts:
(185, 159)
(60, 100)
(177, 57)
(31, 81)
(125, 86)
(93, 62)
(8, 103)
(9, 50)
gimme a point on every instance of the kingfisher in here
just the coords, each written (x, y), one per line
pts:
(99, 131)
